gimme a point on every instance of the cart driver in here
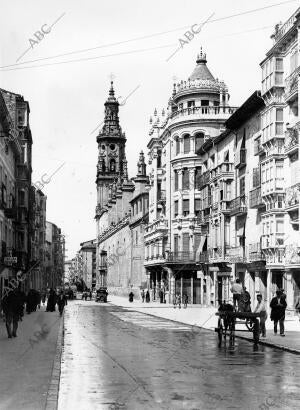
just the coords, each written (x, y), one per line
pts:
(236, 290)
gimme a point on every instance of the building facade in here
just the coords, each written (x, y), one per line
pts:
(121, 211)
(55, 256)
(15, 179)
(88, 254)
(37, 215)
(197, 111)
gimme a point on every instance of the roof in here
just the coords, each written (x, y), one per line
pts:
(239, 117)
(201, 71)
(246, 110)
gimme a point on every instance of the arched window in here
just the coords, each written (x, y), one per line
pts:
(112, 167)
(177, 146)
(186, 144)
(199, 140)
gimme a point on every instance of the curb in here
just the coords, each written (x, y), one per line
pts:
(264, 343)
(53, 389)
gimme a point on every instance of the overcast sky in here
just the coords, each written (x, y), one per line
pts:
(66, 100)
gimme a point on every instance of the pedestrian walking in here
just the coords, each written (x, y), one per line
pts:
(278, 306)
(51, 301)
(90, 294)
(61, 302)
(178, 300)
(261, 308)
(236, 290)
(147, 296)
(185, 300)
(30, 301)
(143, 295)
(12, 306)
(131, 295)
(161, 296)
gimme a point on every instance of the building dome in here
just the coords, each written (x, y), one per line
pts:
(201, 71)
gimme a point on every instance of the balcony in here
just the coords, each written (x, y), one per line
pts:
(225, 205)
(158, 226)
(230, 254)
(203, 180)
(203, 257)
(258, 148)
(207, 112)
(255, 200)
(255, 253)
(222, 171)
(292, 256)
(11, 212)
(240, 158)
(291, 141)
(291, 86)
(181, 256)
(292, 198)
(156, 259)
(238, 206)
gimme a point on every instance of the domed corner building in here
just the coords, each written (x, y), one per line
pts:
(176, 236)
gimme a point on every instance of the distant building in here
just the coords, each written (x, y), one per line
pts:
(88, 255)
(38, 238)
(55, 254)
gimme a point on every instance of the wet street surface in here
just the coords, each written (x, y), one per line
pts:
(115, 358)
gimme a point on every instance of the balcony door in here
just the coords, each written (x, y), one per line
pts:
(185, 245)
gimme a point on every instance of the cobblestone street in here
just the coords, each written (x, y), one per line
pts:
(114, 358)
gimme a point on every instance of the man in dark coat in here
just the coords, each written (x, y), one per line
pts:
(51, 301)
(12, 305)
(61, 302)
(147, 296)
(278, 306)
(31, 301)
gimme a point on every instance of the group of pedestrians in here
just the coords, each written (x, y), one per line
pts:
(145, 296)
(177, 300)
(14, 302)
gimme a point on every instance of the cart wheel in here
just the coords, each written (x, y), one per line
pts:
(250, 324)
(256, 331)
(220, 331)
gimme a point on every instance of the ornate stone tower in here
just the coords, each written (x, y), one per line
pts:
(112, 164)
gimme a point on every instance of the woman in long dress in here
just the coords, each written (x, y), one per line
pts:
(51, 301)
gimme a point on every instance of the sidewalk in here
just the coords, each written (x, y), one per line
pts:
(204, 317)
(26, 362)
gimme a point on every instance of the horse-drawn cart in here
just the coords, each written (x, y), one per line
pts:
(228, 319)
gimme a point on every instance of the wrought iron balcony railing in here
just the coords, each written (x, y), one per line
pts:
(181, 256)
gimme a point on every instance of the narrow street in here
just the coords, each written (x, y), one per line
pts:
(115, 358)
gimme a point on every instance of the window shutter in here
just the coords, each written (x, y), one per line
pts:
(197, 204)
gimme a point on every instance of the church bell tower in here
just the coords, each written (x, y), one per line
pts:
(112, 164)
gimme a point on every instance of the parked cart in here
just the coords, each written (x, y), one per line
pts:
(229, 319)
